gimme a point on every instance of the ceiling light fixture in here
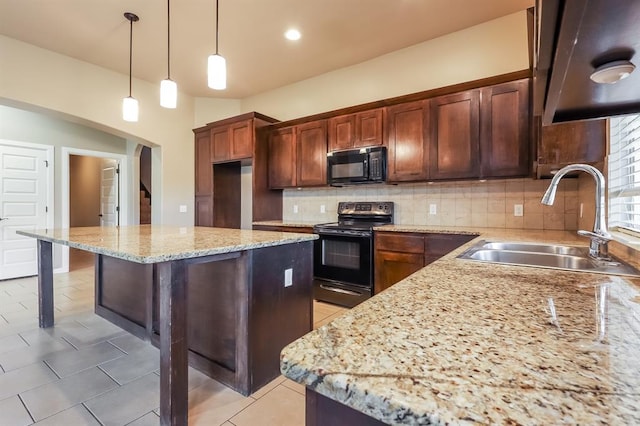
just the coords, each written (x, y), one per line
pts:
(217, 65)
(292, 34)
(130, 104)
(612, 72)
(168, 87)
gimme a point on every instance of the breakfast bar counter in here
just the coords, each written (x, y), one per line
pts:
(254, 265)
(467, 342)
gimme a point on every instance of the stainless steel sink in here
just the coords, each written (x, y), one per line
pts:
(544, 256)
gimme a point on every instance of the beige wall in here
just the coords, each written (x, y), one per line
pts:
(84, 190)
(492, 48)
(36, 79)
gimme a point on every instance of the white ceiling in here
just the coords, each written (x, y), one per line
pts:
(335, 34)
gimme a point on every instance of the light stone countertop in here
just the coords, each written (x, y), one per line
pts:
(462, 342)
(156, 243)
(287, 224)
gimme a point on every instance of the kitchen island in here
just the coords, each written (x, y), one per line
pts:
(469, 342)
(249, 268)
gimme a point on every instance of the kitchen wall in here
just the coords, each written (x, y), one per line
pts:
(470, 203)
(491, 48)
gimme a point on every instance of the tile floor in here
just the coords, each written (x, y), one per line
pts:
(87, 371)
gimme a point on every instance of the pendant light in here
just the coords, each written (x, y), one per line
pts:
(168, 87)
(217, 65)
(130, 104)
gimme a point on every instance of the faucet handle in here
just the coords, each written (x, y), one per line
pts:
(601, 238)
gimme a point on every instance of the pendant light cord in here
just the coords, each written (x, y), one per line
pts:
(130, 52)
(168, 41)
(217, 26)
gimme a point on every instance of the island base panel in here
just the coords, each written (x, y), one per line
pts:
(323, 411)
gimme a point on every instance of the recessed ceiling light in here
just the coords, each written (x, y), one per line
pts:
(292, 34)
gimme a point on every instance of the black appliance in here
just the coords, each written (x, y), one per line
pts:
(343, 255)
(357, 166)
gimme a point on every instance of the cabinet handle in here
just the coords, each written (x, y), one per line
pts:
(4, 218)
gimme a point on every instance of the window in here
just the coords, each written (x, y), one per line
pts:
(624, 173)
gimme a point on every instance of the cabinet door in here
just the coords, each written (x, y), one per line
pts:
(437, 245)
(341, 132)
(204, 169)
(204, 210)
(504, 140)
(408, 141)
(368, 126)
(282, 158)
(220, 147)
(241, 136)
(311, 141)
(391, 267)
(574, 142)
(455, 128)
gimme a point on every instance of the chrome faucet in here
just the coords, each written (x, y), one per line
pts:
(600, 237)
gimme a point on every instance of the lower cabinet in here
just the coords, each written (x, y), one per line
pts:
(399, 254)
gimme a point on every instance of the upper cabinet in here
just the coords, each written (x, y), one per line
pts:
(455, 131)
(232, 141)
(356, 130)
(505, 123)
(574, 38)
(408, 141)
(298, 155)
(574, 142)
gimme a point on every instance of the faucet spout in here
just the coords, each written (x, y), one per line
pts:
(600, 237)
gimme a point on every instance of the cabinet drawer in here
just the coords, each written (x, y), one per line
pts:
(405, 243)
(440, 244)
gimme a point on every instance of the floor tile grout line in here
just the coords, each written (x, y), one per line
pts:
(33, 420)
(91, 413)
(51, 368)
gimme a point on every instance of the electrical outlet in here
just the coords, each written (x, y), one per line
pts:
(323, 209)
(433, 209)
(183, 208)
(295, 208)
(288, 277)
(517, 210)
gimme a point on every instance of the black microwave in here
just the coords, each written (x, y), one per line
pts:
(356, 166)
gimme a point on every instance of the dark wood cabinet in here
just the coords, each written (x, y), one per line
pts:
(204, 169)
(357, 130)
(298, 155)
(232, 141)
(311, 141)
(408, 141)
(282, 158)
(399, 254)
(505, 142)
(222, 148)
(455, 131)
(574, 142)
(284, 228)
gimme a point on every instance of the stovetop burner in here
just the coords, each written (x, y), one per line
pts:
(360, 216)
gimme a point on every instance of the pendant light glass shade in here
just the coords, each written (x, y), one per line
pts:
(217, 72)
(168, 93)
(130, 109)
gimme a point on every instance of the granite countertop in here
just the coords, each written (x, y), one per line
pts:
(154, 243)
(287, 224)
(469, 342)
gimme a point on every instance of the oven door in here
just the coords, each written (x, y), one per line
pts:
(343, 256)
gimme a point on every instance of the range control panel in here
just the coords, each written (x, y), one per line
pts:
(366, 208)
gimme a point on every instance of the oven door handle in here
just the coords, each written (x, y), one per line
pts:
(343, 232)
(339, 290)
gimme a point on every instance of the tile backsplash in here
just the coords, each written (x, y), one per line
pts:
(482, 204)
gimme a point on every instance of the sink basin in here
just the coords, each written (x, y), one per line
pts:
(544, 256)
(537, 248)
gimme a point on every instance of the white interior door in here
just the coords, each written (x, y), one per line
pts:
(23, 205)
(109, 199)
